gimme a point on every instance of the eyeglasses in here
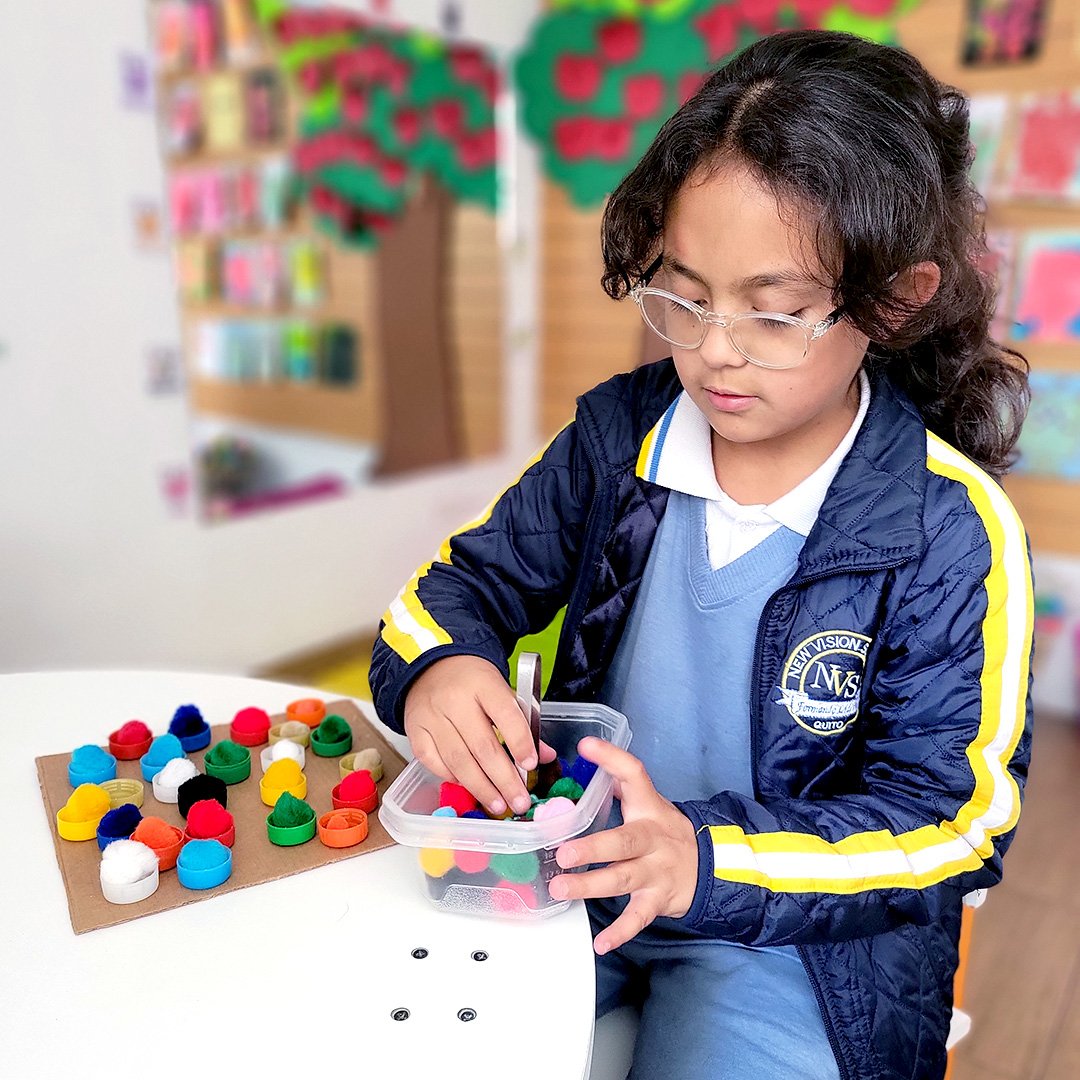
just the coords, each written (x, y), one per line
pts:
(768, 339)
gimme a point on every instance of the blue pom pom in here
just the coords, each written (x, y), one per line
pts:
(479, 814)
(445, 811)
(582, 771)
(118, 824)
(187, 720)
(564, 766)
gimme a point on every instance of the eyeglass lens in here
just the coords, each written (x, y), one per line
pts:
(768, 340)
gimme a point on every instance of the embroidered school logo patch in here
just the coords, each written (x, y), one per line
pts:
(822, 680)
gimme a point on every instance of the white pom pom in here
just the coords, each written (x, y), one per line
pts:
(285, 748)
(176, 772)
(124, 862)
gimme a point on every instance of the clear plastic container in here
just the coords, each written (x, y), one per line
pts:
(470, 865)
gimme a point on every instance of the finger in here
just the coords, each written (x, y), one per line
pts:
(630, 775)
(478, 735)
(547, 753)
(427, 754)
(611, 845)
(501, 705)
(618, 879)
(638, 914)
(459, 758)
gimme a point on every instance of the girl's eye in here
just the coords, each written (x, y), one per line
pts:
(797, 314)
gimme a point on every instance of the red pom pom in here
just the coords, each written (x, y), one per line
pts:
(251, 721)
(472, 862)
(207, 819)
(459, 798)
(134, 731)
(356, 787)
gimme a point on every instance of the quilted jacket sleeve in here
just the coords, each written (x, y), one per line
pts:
(500, 577)
(948, 724)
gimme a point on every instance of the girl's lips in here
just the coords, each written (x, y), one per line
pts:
(729, 402)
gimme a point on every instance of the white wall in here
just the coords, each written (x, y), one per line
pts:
(95, 571)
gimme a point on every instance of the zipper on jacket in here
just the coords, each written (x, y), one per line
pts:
(755, 726)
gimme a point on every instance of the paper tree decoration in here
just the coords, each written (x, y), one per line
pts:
(599, 77)
(380, 107)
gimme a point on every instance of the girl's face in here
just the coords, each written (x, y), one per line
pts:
(732, 248)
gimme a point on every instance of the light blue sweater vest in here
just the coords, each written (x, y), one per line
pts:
(681, 672)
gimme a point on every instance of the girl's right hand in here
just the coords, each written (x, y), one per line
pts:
(451, 712)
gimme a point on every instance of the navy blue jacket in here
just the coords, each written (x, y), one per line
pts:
(890, 715)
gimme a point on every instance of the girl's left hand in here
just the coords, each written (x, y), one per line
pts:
(653, 854)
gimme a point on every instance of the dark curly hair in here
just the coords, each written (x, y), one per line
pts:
(878, 149)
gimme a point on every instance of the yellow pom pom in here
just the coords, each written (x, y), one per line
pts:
(435, 862)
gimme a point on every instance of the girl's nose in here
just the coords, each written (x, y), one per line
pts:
(717, 351)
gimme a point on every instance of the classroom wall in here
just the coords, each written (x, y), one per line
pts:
(97, 571)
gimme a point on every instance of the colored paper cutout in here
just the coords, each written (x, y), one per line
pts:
(1003, 31)
(599, 77)
(1048, 288)
(988, 115)
(1047, 154)
(1050, 441)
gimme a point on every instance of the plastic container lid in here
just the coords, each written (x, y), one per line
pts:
(294, 730)
(128, 751)
(231, 774)
(78, 818)
(408, 803)
(290, 836)
(204, 864)
(91, 765)
(308, 711)
(369, 759)
(167, 851)
(343, 828)
(124, 790)
(250, 727)
(162, 750)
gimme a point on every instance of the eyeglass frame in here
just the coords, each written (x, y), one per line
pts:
(715, 318)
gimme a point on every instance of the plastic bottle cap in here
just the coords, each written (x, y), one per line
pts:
(131, 892)
(308, 711)
(231, 774)
(250, 727)
(292, 835)
(162, 750)
(167, 852)
(78, 818)
(91, 765)
(369, 759)
(294, 730)
(128, 751)
(350, 827)
(196, 741)
(204, 864)
(270, 793)
(123, 791)
(228, 837)
(169, 793)
(368, 805)
(331, 749)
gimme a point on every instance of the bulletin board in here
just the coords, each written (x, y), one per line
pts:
(587, 337)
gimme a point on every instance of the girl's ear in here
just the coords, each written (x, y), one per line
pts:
(917, 285)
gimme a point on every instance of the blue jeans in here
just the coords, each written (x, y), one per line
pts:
(710, 1009)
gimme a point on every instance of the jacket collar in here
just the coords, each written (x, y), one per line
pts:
(872, 513)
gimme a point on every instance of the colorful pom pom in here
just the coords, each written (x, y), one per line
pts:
(187, 720)
(509, 904)
(134, 731)
(444, 811)
(551, 808)
(164, 748)
(333, 729)
(460, 798)
(201, 787)
(356, 787)
(126, 861)
(176, 772)
(520, 866)
(290, 812)
(436, 862)
(118, 824)
(207, 819)
(476, 814)
(227, 752)
(285, 773)
(155, 832)
(251, 721)
(583, 771)
(566, 789)
(472, 862)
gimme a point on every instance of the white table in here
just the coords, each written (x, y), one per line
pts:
(335, 941)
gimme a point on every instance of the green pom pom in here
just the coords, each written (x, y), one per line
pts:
(532, 809)
(519, 868)
(567, 788)
(333, 729)
(289, 811)
(227, 752)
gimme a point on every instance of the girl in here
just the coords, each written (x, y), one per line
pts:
(785, 558)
